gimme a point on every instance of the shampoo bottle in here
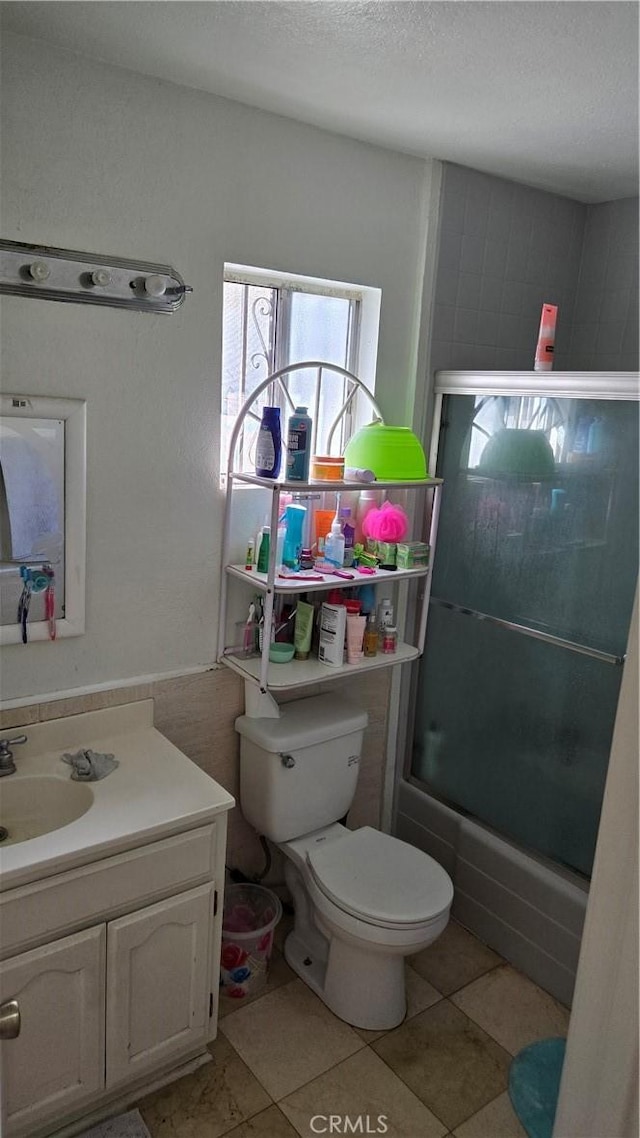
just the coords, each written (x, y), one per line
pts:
(348, 532)
(263, 552)
(269, 444)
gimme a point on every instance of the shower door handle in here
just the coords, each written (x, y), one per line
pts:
(9, 1020)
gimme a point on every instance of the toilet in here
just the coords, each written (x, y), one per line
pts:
(363, 900)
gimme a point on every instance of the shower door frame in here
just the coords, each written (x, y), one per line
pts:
(603, 385)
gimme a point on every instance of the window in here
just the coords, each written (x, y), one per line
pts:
(271, 320)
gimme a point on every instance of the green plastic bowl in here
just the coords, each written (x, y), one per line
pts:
(518, 454)
(280, 653)
(394, 454)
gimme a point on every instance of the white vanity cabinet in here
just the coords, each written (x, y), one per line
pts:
(158, 983)
(109, 1009)
(57, 1061)
(110, 925)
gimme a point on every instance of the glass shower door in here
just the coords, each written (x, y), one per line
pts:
(533, 585)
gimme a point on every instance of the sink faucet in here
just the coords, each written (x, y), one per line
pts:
(7, 765)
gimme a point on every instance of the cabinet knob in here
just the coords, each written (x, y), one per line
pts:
(9, 1019)
(287, 761)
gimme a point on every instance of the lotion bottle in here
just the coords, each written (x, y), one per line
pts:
(546, 338)
(334, 544)
(366, 501)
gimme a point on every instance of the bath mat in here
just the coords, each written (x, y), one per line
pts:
(534, 1082)
(129, 1125)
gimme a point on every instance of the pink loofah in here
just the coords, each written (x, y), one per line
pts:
(389, 523)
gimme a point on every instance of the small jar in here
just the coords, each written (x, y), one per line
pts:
(327, 468)
(306, 559)
(389, 639)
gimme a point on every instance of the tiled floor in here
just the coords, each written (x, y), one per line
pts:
(283, 1058)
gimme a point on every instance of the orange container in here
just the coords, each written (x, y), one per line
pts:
(322, 520)
(327, 468)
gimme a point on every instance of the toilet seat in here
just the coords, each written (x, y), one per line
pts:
(380, 879)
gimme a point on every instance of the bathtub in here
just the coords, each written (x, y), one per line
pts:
(525, 907)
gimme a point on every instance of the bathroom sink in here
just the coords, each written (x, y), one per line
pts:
(34, 805)
(56, 824)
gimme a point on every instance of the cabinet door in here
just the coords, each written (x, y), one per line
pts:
(57, 1061)
(158, 983)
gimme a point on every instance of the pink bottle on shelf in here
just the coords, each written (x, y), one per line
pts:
(546, 338)
(367, 500)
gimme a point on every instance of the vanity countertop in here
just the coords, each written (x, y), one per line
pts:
(155, 791)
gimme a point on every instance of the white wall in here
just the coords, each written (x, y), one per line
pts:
(99, 159)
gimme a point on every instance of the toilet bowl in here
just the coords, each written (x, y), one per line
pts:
(363, 900)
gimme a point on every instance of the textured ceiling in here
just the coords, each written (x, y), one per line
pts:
(542, 92)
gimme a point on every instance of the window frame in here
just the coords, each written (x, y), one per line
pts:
(362, 336)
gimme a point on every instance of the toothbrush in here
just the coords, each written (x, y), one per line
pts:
(303, 576)
(50, 605)
(248, 638)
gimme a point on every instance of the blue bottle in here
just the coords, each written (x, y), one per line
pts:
(269, 444)
(294, 516)
(299, 446)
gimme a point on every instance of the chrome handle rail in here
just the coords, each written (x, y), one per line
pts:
(534, 633)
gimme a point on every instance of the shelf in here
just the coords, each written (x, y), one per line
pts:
(302, 585)
(301, 673)
(331, 486)
(262, 675)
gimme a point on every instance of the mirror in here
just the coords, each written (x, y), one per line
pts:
(42, 514)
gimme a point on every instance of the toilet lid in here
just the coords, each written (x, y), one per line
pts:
(381, 879)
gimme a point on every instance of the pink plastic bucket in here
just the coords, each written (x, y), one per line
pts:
(250, 916)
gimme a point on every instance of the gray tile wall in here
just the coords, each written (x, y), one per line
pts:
(605, 325)
(505, 249)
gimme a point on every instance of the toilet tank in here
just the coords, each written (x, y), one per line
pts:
(298, 773)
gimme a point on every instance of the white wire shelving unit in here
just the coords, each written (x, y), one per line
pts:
(262, 676)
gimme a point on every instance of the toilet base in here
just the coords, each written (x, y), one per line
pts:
(365, 989)
(356, 968)
(310, 966)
